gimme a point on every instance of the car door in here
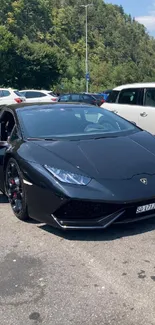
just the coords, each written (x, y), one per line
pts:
(64, 98)
(125, 103)
(86, 99)
(7, 123)
(128, 104)
(75, 98)
(147, 113)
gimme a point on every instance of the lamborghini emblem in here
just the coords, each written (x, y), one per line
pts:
(144, 181)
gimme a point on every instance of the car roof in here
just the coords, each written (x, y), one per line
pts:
(136, 85)
(7, 89)
(36, 90)
(89, 94)
(71, 94)
(16, 107)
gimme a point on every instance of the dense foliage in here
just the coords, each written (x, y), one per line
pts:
(42, 45)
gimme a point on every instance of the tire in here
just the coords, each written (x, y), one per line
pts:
(15, 190)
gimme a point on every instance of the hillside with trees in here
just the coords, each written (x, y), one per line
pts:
(42, 45)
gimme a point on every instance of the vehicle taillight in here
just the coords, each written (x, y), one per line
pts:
(18, 100)
(103, 101)
(54, 99)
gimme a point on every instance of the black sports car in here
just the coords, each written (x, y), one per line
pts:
(75, 166)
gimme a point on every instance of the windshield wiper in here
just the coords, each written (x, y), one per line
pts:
(106, 137)
(50, 139)
(41, 139)
(34, 139)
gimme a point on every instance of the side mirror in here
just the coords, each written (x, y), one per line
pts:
(133, 122)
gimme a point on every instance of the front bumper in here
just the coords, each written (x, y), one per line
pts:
(89, 207)
(87, 215)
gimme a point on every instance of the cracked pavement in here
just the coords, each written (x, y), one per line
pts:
(50, 277)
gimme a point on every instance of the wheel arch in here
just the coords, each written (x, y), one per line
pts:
(6, 159)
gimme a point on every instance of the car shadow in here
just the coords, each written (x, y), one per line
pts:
(111, 233)
(3, 198)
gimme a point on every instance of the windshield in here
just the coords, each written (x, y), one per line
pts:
(74, 122)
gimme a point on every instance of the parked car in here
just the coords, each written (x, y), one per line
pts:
(10, 96)
(135, 102)
(106, 94)
(39, 96)
(82, 98)
(99, 98)
(76, 166)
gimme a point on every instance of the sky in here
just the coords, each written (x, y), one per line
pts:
(142, 10)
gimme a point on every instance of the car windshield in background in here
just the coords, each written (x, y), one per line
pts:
(72, 122)
(112, 96)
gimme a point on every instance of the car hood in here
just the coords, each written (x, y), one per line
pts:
(106, 158)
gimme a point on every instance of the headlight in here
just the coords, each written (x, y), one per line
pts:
(67, 177)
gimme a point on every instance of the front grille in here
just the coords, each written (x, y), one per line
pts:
(77, 209)
(87, 210)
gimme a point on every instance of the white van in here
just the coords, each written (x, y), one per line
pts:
(134, 102)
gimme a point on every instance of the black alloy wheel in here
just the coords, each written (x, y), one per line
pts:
(15, 190)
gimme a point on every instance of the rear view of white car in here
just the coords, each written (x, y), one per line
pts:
(10, 96)
(39, 96)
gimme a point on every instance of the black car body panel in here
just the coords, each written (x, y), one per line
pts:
(114, 165)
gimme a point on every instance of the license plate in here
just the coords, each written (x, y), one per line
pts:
(145, 208)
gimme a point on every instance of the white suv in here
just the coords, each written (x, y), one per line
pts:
(134, 102)
(39, 96)
(10, 96)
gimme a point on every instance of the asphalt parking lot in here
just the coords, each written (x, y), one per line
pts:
(53, 278)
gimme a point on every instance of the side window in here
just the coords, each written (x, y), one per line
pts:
(149, 99)
(1, 93)
(87, 98)
(6, 93)
(33, 94)
(75, 98)
(42, 95)
(64, 98)
(129, 96)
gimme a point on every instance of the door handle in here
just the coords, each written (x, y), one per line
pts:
(116, 112)
(144, 114)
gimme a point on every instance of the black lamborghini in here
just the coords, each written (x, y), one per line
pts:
(75, 166)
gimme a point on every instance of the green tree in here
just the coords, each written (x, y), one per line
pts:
(42, 43)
